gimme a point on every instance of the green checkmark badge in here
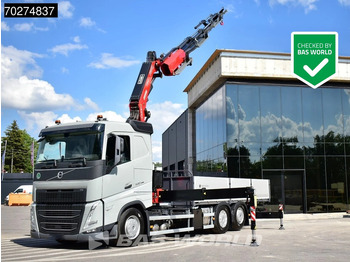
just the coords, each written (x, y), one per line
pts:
(314, 56)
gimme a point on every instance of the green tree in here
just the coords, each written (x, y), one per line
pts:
(18, 149)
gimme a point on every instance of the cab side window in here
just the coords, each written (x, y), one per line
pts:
(125, 152)
(118, 151)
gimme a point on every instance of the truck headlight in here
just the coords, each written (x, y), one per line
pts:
(33, 224)
(92, 218)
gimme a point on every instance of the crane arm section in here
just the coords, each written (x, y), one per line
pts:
(169, 65)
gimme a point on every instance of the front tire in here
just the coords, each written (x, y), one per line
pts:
(130, 227)
(222, 220)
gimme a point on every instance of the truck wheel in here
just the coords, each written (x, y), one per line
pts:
(222, 220)
(238, 213)
(130, 227)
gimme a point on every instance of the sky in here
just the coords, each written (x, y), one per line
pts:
(86, 61)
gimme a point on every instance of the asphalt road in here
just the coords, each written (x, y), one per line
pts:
(305, 238)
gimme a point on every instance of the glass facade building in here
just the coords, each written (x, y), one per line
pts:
(248, 117)
(296, 136)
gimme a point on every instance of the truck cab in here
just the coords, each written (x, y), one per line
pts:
(86, 174)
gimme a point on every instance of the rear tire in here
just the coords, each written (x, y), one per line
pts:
(239, 216)
(222, 220)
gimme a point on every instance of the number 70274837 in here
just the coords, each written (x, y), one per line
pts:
(16, 10)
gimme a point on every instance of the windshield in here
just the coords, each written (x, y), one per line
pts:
(66, 146)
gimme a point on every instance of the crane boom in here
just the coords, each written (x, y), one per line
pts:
(169, 65)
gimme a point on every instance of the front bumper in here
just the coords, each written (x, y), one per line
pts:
(79, 237)
(73, 222)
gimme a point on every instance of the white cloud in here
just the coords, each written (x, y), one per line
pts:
(65, 118)
(344, 2)
(91, 104)
(24, 27)
(33, 94)
(109, 61)
(110, 115)
(64, 49)
(21, 89)
(16, 63)
(308, 5)
(4, 26)
(87, 22)
(76, 39)
(164, 114)
(65, 9)
(27, 27)
(157, 151)
(38, 120)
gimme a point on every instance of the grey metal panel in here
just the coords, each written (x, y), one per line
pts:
(181, 141)
(172, 144)
(17, 176)
(165, 149)
(175, 142)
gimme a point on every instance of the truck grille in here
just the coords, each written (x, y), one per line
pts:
(59, 219)
(61, 196)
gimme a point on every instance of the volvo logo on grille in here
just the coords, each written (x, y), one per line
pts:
(60, 174)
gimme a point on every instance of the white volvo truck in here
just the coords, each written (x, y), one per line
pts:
(94, 178)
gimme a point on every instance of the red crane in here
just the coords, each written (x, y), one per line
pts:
(170, 64)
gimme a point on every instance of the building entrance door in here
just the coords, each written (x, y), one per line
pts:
(288, 187)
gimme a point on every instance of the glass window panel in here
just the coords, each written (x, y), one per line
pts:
(336, 184)
(248, 113)
(293, 149)
(312, 114)
(293, 191)
(271, 125)
(292, 124)
(199, 130)
(346, 112)
(210, 122)
(205, 126)
(347, 149)
(232, 160)
(348, 177)
(231, 113)
(233, 166)
(220, 116)
(216, 107)
(334, 148)
(250, 149)
(248, 169)
(276, 189)
(272, 162)
(314, 149)
(315, 184)
(223, 114)
(232, 149)
(271, 149)
(332, 115)
(293, 162)
(202, 131)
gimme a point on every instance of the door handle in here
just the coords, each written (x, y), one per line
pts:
(127, 186)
